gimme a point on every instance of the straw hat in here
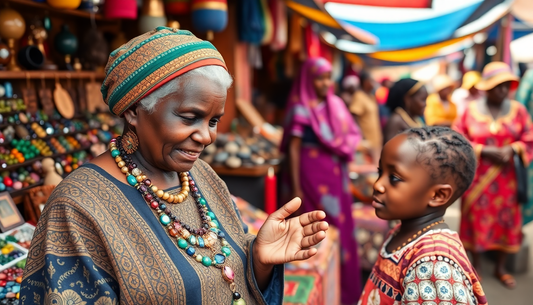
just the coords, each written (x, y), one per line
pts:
(442, 81)
(470, 79)
(496, 73)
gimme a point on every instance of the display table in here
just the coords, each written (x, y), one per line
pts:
(246, 182)
(313, 281)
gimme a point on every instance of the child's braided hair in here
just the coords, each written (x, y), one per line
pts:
(446, 152)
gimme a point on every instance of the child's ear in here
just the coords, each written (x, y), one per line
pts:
(442, 193)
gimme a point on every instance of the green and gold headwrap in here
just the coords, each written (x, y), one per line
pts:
(150, 60)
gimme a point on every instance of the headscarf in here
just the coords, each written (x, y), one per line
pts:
(401, 89)
(148, 61)
(336, 130)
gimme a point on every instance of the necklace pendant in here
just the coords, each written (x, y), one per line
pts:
(227, 274)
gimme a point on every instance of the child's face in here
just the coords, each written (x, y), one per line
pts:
(403, 189)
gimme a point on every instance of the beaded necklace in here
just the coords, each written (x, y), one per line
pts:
(415, 236)
(188, 239)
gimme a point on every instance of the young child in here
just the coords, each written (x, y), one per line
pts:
(421, 173)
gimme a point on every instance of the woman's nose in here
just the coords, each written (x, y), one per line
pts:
(203, 135)
(378, 186)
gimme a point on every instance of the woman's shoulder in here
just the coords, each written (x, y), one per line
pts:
(85, 184)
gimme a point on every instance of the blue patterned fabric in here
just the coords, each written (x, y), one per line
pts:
(98, 242)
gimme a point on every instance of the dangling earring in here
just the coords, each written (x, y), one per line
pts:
(130, 142)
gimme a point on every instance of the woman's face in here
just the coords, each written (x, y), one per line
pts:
(416, 103)
(322, 83)
(499, 93)
(183, 123)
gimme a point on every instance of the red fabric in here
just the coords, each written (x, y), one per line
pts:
(126, 9)
(491, 217)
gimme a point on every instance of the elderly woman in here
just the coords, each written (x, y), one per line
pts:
(148, 222)
(498, 128)
(407, 102)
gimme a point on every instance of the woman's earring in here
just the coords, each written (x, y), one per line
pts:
(130, 142)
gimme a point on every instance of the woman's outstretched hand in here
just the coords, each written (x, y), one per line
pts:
(282, 240)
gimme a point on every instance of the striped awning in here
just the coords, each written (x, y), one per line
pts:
(314, 11)
(401, 33)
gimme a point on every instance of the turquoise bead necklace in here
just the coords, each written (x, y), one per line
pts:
(188, 239)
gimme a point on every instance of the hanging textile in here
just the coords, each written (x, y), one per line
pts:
(251, 25)
(279, 16)
(267, 22)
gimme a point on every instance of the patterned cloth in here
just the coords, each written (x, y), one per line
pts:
(150, 60)
(432, 270)
(98, 242)
(329, 139)
(524, 95)
(491, 217)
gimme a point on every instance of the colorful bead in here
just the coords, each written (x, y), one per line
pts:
(201, 242)
(221, 234)
(219, 259)
(131, 180)
(160, 193)
(202, 201)
(238, 302)
(212, 224)
(139, 179)
(199, 258)
(225, 243)
(182, 243)
(206, 261)
(192, 240)
(217, 225)
(154, 188)
(191, 251)
(211, 214)
(136, 172)
(226, 251)
(228, 274)
(154, 204)
(165, 220)
(165, 196)
(121, 164)
(115, 153)
(124, 170)
(173, 232)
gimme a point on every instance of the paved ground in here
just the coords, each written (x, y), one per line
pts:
(496, 293)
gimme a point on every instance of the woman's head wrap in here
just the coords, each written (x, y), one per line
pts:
(150, 60)
(403, 87)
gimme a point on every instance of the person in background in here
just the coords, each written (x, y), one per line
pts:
(524, 95)
(407, 102)
(421, 173)
(440, 110)
(364, 109)
(350, 84)
(467, 92)
(383, 91)
(498, 128)
(320, 138)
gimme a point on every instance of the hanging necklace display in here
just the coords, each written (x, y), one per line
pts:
(30, 97)
(45, 95)
(188, 239)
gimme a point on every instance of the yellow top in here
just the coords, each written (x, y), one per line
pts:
(437, 114)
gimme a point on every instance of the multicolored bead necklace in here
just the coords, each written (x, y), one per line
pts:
(188, 238)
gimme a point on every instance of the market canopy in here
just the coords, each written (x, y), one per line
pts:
(428, 23)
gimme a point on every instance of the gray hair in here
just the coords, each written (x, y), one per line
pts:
(214, 74)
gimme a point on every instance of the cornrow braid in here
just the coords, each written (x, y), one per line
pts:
(447, 153)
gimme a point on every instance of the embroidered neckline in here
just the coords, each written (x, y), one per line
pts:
(397, 254)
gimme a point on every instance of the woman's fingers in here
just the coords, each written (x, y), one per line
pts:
(305, 254)
(311, 217)
(286, 210)
(312, 240)
(315, 227)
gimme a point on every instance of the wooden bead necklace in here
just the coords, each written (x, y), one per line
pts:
(415, 236)
(188, 239)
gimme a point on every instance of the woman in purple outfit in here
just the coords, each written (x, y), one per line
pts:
(320, 139)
